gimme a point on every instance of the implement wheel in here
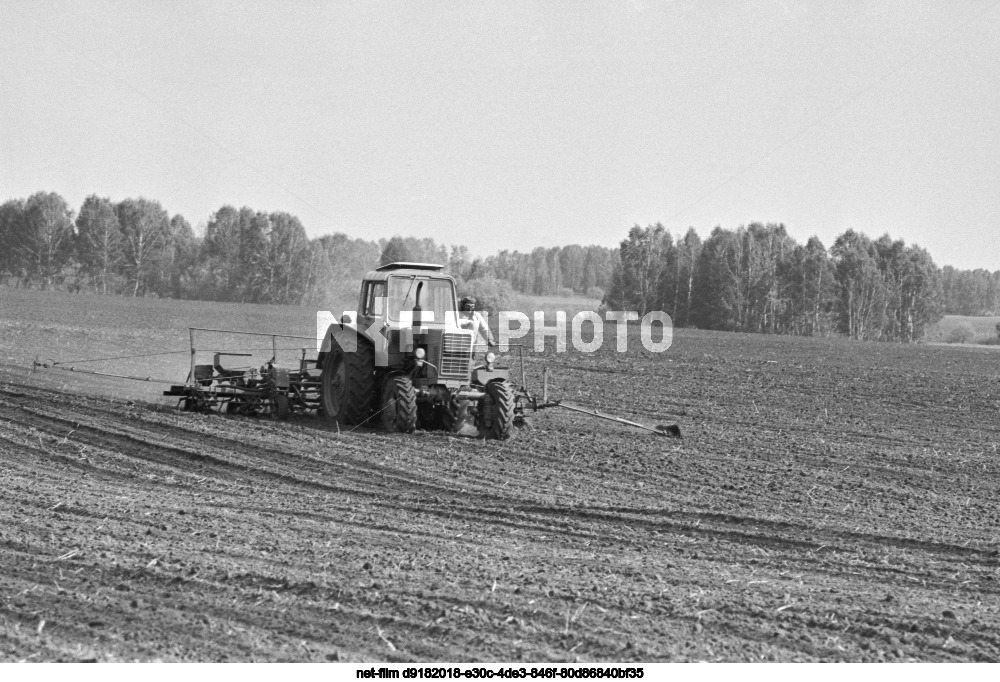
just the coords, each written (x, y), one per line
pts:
(399, 404)
(348, 384)
(281, 407)
(235, 405)
(496, 411)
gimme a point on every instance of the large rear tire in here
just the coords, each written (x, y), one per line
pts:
(496, 411)
(348, 384)
(399, 404)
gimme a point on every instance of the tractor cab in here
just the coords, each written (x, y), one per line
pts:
(408, 294)
(408, 311)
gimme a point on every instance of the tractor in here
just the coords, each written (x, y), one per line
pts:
(407, 360)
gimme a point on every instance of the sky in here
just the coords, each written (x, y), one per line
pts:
(512, 125)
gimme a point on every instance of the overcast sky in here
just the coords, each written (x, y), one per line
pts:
(519, 124)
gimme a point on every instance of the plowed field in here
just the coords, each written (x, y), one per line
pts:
(829, 501)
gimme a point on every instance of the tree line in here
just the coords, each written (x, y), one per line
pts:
(970, 292)
(135, 247)
(555, 271)
(757, 278)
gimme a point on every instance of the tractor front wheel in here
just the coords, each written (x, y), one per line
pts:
(453, 413)
(496, 411)
(348, 384)
(399, 404)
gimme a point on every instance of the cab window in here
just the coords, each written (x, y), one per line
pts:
(375, 300)
(436, 296)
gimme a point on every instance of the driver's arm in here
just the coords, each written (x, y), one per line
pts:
(486, 328)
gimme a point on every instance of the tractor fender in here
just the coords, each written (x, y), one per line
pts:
(348, 336)
(345, 334)
(482, 376)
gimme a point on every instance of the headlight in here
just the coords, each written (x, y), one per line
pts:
(490, 358)
(420, 353)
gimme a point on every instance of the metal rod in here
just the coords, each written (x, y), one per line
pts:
(237, 331)
(190, 379)
(103, 374)
(520, 353)
(594, 413)
(119, 357)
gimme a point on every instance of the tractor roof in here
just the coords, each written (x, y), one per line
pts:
(410, 266)
(428, 270)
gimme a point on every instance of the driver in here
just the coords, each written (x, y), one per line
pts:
(470, 318)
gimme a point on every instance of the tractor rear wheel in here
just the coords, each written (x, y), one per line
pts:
(348, 384)
(399, 404)
(452, 414)
(496, 411)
